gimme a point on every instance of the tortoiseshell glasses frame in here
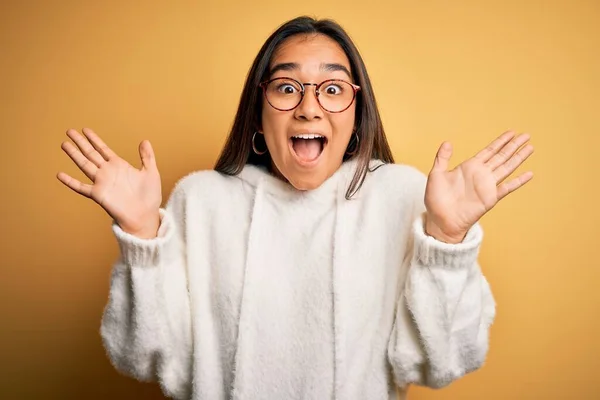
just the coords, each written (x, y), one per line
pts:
(355, 88)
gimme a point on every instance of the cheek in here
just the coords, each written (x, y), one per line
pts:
(274, 119)
(266, 117)
(274, 128)
(343, 127)
(270, 123)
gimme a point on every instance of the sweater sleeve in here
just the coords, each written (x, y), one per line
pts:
(146, 326)
(444, 311)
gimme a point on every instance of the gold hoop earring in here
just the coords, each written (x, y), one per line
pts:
(260, 153)
(353, 152)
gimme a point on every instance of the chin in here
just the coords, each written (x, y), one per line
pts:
(306, 174)
(302, 178)
(306, 185)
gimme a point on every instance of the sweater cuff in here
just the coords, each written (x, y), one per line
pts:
(144, 252)
(430, 252)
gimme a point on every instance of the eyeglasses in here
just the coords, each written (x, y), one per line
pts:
(285, 94)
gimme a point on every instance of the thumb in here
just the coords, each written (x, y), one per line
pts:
(442, 157)
(147, 155)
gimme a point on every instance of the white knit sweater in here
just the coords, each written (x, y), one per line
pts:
(254, 290)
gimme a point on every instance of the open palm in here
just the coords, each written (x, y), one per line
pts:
(456, 199)
(131, 196)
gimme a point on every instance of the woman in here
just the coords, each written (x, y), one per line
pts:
(307, 265)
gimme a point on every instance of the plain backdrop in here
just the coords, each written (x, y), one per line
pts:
(172, 72)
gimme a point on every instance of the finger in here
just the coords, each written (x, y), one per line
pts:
(503, 171)
(512, 185)
(85, 147)
(442, 158)
(507, 151)
(491, 149)
(147, 155)
(85, 165)
(75, 185)
(98, 144)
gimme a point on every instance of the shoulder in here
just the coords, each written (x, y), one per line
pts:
(211, 184)
(201, 180)
(395, 192)
(206, 186)
(396, 188)
(400, 178)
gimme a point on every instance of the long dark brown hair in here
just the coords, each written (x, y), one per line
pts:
(372, 143)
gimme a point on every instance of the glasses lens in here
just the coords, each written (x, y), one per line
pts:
(284, 93)
(336, 96)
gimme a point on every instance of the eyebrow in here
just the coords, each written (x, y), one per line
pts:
(323, 67)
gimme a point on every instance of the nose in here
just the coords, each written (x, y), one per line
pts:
(309, 107)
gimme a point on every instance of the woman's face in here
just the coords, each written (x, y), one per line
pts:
(306, 163)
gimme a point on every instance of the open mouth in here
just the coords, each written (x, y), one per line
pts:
(308, 147)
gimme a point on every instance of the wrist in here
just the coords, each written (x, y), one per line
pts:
(148, 229)
(433, 230)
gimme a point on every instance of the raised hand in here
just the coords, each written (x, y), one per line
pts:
(457, 199)
(130, 196)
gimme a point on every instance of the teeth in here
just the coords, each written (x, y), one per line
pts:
(308, 136)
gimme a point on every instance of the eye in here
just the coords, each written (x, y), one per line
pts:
(287, 88)
(333, 89)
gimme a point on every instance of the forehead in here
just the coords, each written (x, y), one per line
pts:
(310, 50)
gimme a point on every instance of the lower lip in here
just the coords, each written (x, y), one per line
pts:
(302, 163)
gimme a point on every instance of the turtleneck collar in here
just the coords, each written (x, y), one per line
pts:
(258, 176)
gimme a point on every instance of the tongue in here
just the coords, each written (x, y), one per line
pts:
(307, 149)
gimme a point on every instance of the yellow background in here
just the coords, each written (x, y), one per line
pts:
(172, 72)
